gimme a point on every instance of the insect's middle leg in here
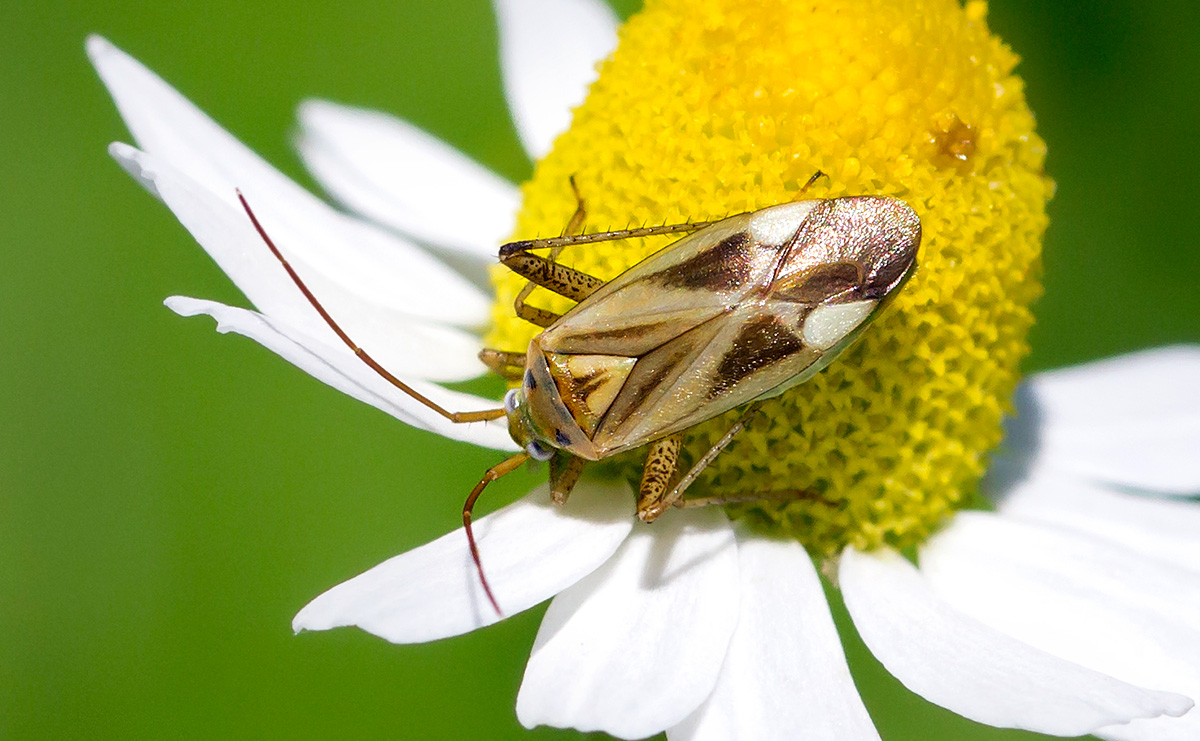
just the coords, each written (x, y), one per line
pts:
(661, 463)
(508, 365)
(649, 510)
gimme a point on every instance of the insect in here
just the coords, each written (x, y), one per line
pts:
(737, 311)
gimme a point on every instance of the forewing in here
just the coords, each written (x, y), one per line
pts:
(674, 290)
(737, 311)
(719, 365)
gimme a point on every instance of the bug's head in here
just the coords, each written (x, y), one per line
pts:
(522, 427)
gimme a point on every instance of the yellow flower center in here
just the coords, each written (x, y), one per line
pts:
(721, 106)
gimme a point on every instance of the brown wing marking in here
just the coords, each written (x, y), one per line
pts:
(819, 284)
(726, 265)
(624, 325)
(671, 292)
(654, 375)
(717, 366)
(762, 341)
(589, 383)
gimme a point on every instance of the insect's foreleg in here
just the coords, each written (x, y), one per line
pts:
(493, 473)
(565, 470)
(661, 462)
(480, 416)
(508, 365)
(652, 513)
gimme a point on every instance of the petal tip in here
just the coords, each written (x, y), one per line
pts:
(97, 47)
(311, 109)
(181, 305)
(126, 155)
(300, 623)
(1176, 705)
(134, 162)
(312, 617)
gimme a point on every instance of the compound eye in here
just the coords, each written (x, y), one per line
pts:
(539, 452)
(510, 401)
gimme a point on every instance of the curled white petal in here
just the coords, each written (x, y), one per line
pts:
(1132, 420)
(955, 661)
(396, 174)
(341, 369)
(785, 676)
(1161, 527)
(636, 646)
(361, 259)
(1086, 600)
(403, 343)
(549, 50)
(531, 550)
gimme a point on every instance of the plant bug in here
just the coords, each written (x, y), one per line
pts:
(737, 311)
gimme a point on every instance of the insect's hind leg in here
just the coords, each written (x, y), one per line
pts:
(553, 276)
(538, 317)
(662, 463)
(575, 225)
(775, 495)
(547, 272)
(800, 194)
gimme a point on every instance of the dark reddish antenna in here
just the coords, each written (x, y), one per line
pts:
(480, 416)
(492, 474)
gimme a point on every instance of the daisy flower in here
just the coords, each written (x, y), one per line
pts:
(1071, 607)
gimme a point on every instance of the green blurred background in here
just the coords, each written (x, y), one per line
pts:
(170, 497)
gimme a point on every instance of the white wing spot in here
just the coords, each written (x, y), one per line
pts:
(828, 324)
(777, 224)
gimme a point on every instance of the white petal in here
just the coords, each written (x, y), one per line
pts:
(1133, 420)
(396, 174)
(1155, 729)
(785, 676)
(957, 662)
(549, 50)
(1086, 600)
(635, 646)
(531, 550)
(1165, 528)
(341, 369)
(405, 344)
(361, 259)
